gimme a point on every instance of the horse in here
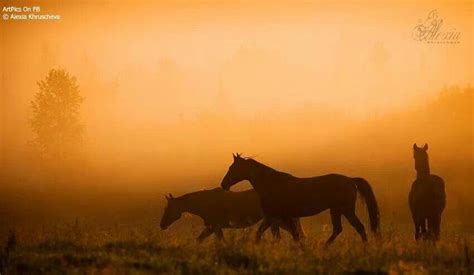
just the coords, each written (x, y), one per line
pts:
(283, 196)
(427, 198)
(222, 209)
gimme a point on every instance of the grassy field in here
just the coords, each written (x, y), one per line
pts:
(78, 247)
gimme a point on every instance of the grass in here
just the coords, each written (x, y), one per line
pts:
(78, 247)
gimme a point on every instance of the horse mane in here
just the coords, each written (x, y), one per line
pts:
(263, 166)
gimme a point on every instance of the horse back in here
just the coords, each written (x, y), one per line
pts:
(326, 185)
(300, 197)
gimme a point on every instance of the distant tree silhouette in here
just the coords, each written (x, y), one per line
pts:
(55, 120)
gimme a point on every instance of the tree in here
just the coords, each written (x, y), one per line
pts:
(55, 121)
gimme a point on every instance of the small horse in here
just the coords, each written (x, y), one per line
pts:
(285, 197)
(222, 209)
(427, 198)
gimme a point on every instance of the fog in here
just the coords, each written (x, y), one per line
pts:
(172, 90)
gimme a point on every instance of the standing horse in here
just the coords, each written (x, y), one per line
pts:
(427, 197)
(283, 196)
(222, 209)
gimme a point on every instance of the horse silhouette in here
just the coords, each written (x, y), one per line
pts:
(222, 209)
(427, 197)
(285, 197)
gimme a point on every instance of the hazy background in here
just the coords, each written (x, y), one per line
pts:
(172, 89)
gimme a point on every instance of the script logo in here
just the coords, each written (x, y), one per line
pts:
(432, 31)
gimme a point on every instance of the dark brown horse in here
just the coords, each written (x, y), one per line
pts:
(222, 209)
(427, 197)
(285, 197)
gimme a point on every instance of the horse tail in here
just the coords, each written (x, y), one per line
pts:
(365, 190)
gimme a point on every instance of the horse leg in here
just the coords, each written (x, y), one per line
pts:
(437, 227)
(275, 231)
(206, 232)
(434, 227)
(336, 225)
(261, 229)
(219, 233)
(429, 235)
(418, 225)
(424, 228)
(292, 228)
(301, 232)
(355, 222)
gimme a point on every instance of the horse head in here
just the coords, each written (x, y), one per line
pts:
(173, 212)
(420, 154)
(238, 171)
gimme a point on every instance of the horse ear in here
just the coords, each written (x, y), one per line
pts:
(414, 146)
(167, 198)
(171, 197)
(425, 147)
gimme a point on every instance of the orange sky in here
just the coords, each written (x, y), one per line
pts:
(146, 69)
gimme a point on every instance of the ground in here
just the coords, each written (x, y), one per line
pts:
(78, 247)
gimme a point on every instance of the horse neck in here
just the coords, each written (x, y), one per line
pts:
(422, 175)
(186, 204)
(260, 176)
(192, 203)
(423, 171)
